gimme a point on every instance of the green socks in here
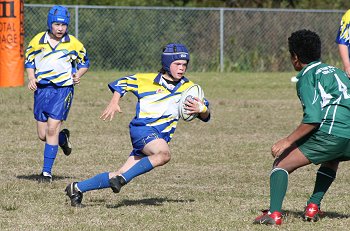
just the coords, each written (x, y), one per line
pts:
(324, 179)
(278, 188)
(279, 184)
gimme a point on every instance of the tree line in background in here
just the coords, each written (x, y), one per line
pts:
(290, 4)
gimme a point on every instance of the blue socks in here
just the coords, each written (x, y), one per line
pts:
(99, 181)
(50, 153)
(141, 167)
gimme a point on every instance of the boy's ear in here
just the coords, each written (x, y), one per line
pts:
(296, 62)
(294, 58)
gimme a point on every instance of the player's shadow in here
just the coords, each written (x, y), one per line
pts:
(327, 214)
(36, 177)
(148, 201)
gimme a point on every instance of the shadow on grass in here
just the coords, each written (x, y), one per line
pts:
(149, 201)
(36, 177)
(328, 214)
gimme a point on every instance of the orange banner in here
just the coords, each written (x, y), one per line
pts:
(11, 43)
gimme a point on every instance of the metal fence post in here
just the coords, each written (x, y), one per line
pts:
(77, 21)
(221, 40)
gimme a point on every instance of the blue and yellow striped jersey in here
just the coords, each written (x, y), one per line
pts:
(157, 105)
(343, 35)
(55, 65)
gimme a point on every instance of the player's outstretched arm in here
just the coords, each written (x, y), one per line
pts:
(112, 107)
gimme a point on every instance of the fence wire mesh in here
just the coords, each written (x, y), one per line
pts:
(219, 39)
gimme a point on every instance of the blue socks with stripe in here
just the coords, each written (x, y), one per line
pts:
(141, 167)
(99, 181)
(50, 153)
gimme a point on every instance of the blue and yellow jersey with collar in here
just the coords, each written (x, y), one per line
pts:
(55, 65)
(343, 35)
(157, 105)
(324, 93)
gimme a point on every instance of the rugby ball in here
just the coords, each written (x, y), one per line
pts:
(191, 92)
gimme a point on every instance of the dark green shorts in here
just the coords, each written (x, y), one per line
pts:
(320, 147)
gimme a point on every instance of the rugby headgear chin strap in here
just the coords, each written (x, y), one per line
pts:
(173, 52)
(58, 14)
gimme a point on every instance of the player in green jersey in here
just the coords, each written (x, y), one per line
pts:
(323, 136)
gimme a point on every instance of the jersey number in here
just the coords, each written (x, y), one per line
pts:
(342, 87)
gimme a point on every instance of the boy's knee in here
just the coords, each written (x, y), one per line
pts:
(42, 136)
(164, 156)
(51, 131)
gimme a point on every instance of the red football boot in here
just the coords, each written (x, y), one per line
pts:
(312, 213)
(268, 218)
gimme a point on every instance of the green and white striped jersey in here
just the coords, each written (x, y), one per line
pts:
(324, 93)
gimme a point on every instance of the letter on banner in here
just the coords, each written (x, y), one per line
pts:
(11, 43)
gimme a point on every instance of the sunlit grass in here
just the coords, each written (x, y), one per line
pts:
(217, 178)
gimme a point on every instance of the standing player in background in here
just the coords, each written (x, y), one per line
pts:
(154, 123)
(343, 42)
(323, 137)
(51, 59)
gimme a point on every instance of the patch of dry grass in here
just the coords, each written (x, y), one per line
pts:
(217, 178)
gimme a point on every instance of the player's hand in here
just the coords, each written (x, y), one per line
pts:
(76, 79)
(110, 110)
(32, 84)
(195, 105)
(279, 147)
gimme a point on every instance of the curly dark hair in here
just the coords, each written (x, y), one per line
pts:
(306, 45)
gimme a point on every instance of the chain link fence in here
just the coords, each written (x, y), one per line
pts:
(219, 39)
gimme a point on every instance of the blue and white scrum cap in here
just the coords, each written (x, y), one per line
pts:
(173, 52)
(58, 14)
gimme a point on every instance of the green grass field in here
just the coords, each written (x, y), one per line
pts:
(218, 178)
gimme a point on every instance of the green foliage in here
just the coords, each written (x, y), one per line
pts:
(132, 39)
(127, 39)
(126, 33)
